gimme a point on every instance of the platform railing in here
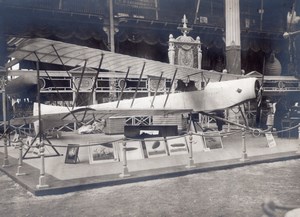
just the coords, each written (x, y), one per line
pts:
(269, 207)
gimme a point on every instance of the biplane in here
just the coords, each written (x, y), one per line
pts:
(215, 90)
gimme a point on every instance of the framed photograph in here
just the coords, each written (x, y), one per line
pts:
(177, 146)
(156, 148)
(197, 142)
(72, 154)
(101, 153)
(213, 140)
(134, 150)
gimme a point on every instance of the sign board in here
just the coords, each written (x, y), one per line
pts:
(270, 139)
(147, 131)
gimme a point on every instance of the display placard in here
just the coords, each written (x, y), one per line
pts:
(177, 146)
(270, 139)
(134, 150)
(156, 148)
(213, 140)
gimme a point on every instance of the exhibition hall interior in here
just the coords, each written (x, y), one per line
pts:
(102, 92)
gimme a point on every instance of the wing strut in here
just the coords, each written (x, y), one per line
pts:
(60, 96)
(65, 68)
(138, 85)
(123, 87)
(40, 133)
(97, 74)
(174, 76)
(156, 89)
(39, 99)
(95, 82)
(79, 84)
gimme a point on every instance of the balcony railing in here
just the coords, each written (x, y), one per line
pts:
(211, 13)
(95, 7)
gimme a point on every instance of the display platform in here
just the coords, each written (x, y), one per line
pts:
(99, 159)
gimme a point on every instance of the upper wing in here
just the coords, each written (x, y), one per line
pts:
(56, 52)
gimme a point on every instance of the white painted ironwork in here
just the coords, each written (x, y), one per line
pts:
(143, 120)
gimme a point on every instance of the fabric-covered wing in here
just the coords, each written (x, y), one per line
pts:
(55, 52)
(86, 114)
(89, 114)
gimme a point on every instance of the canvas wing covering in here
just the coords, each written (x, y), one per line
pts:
(55, 52)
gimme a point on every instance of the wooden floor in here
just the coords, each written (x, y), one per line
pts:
(62, 177)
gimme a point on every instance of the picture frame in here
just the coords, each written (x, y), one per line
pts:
(134, 151)
(177, 146)
(101, 152)
(213, 140)
(72, 154)
(156, 148)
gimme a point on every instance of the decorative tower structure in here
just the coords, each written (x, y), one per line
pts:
(184, 50)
